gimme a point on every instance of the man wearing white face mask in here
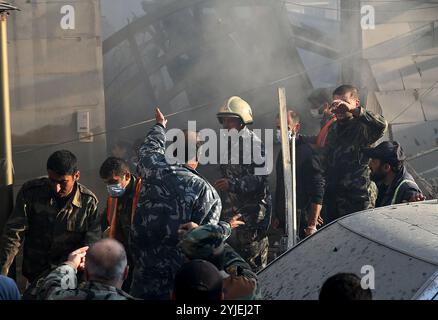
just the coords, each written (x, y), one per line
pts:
(310, 182)
(123, 193)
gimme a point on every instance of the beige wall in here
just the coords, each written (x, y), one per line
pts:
(54, 74)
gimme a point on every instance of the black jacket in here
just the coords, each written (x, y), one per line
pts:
(310, 181)
(405, 192)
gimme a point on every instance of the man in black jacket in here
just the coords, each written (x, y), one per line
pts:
(309, 182)
(394, 182)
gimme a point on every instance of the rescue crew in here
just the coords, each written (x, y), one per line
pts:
(243, 191)
(349, 188)
(395, 183)
(123, 189)
(171, 195)
(53, 216)
(309, 182)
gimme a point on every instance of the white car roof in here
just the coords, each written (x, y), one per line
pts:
(400, 243)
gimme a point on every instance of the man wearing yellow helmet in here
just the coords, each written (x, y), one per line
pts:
(244, 189)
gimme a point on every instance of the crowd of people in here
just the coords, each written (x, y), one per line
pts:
(168, 233)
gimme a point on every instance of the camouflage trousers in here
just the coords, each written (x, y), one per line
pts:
(254, 252)
(339, 203)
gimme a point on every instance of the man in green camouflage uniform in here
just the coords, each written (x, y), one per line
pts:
(207, 242)
(54, 215)
(244, 191)
(349, 188)
(105, 269)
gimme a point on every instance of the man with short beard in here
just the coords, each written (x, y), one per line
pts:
(349, 188)
(53, 216)
(395, 183)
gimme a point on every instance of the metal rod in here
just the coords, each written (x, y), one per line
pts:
(288, 172)
(6, 169)
(5, 133)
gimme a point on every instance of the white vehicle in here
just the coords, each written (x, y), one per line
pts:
(394, 250)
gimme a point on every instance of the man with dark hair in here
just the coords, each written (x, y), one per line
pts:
(349, 188)
(123, 194)
(171, 195)
(54, 215)
(309, 180)
(394, 182)
(198, 280)
(105, 268)
(344, 287)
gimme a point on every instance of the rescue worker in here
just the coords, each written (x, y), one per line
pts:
(309, 182)
(349, 188)
(395, 183)
(105, 267)
(171, 195)
(53, 216)
(243, 191)
(123, 194)
(207, 242)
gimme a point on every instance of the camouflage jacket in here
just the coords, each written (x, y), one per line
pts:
(62, 284)
(249, 193)
(242, 283)
(207, 242)
(171, 195)
(347, 168)
(50, 233)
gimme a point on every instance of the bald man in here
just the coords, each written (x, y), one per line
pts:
(105, 268)
(309, 179)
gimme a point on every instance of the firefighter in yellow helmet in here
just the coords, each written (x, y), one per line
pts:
(244, 190)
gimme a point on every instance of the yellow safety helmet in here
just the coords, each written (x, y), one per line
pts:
(238, 108)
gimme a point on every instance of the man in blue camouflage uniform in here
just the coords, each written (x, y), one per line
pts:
(349, 188)
(207, 242)
(171, 195)
(243, 191)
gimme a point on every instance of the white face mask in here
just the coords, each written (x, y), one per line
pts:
(115, 190)
(278, 135)
(315, 114)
